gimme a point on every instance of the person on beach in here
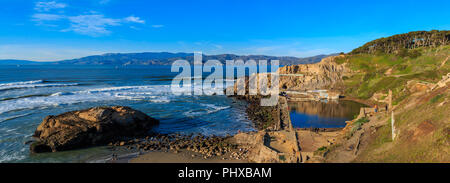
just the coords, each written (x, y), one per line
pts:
(113, 157)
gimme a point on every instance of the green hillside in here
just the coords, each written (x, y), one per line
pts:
(374, 73)
(401, 42)
(422, 117)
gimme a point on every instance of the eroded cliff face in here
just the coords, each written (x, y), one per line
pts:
(323, 75)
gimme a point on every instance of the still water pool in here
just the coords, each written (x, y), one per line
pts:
(323, 114)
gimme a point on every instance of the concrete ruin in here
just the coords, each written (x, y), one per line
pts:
(276, 145)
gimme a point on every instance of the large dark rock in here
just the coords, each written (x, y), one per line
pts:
(94, 126)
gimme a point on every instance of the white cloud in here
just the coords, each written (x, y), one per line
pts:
(218, 46)
(92, 25)
(97, 24)
(134, 19)
(39, 17)
(43, 6)
(157, 26)
(104, 1)
(45, 52)
(292, 48)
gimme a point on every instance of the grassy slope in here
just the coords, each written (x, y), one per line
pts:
(423, 121)
(371, 77)
(423, 132)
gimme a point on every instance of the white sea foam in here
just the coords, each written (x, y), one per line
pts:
(21, 83)
(209, 108)
(151, 93)
(13, 117)
(6, 156)
(31, 84)
(160, 100)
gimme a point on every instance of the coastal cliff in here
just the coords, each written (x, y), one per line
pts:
(414, 88)
(418, 89)
(325, 74)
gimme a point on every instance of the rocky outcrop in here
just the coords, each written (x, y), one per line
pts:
(206, 146)
(443, 82)
(324, 74)
(94, 126)
(262, 116)
(414, 86)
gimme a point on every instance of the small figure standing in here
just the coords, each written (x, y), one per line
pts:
(376, 108)
(113, 157)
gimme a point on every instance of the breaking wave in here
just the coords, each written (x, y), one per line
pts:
(31, 84)
(13, 117)
(208, 109)
(151, 93)
(21, 83)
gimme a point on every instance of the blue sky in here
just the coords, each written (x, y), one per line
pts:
(47, 30)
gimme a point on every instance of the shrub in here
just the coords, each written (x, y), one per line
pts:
(403, 52)
(414, 54)
(435, 98)
(358, 124)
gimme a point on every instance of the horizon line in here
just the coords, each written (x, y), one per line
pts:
(104, 54)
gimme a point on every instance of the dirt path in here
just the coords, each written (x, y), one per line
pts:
(445, 61)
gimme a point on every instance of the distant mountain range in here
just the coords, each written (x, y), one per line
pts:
(162, 58)
(18, 62)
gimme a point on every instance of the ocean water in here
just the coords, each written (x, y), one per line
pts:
(29, 93)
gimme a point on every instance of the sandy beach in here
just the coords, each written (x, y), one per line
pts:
(182, 156)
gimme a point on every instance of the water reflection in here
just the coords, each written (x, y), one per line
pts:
(323, 114)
